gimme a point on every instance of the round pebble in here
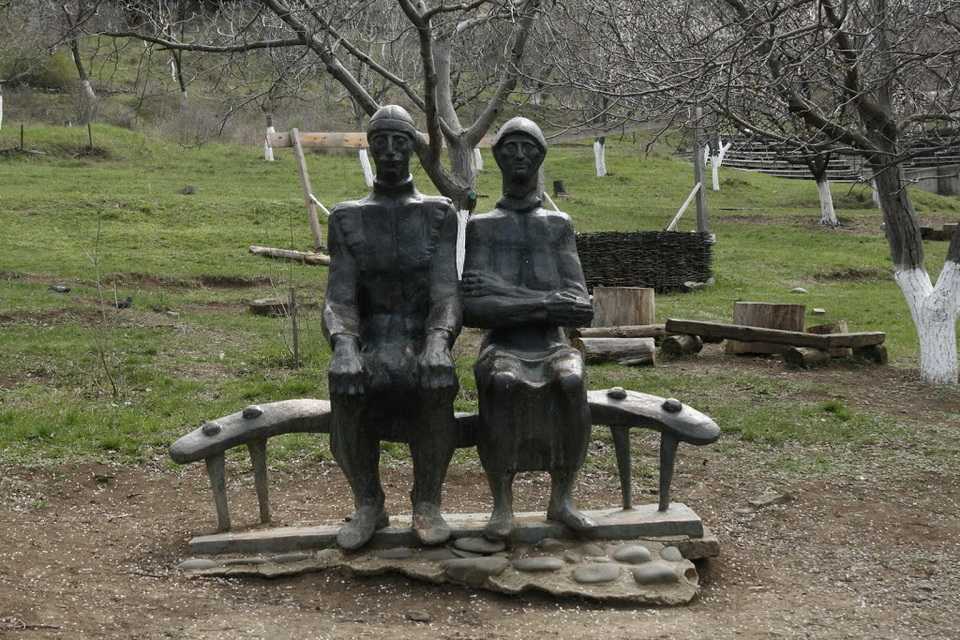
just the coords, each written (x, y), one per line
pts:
(460, 553)
(655, 573)
(632, 554)
(474, 571)
(437, 554)
(539, 563)
(550, 544)
(396, 553)
(195, 564)
(671, 554)
(591, 549)
(596, 573)
(572, 557)
(479, 545)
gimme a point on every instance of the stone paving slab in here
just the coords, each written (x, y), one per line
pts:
(679, 523)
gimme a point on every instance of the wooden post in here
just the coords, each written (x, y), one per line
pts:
(788, 317)
(216, 472)
(258, 458)
(618, 306)
(307, 190)
(294, 326)
(703, 224)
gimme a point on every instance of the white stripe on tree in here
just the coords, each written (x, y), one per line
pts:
(828, 216)
(599, 157)
(267, 149)
(367, 169)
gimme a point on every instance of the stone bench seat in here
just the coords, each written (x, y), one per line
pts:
(616, 408)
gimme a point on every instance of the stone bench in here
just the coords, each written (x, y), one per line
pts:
(616, 408)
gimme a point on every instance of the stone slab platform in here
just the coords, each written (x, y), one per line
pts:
(679, 525)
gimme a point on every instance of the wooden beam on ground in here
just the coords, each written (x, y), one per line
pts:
(624, 331)
(290, 254)
(775, 336)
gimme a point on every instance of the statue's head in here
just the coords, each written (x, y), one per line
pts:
(519, 149)
(390, 135)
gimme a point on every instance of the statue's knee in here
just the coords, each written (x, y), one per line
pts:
(571, 382)
(504, 380)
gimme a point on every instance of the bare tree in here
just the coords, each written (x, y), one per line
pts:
(338, 34)
(840, 76)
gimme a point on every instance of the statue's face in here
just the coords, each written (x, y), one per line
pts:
(391, 154)
(518, 156)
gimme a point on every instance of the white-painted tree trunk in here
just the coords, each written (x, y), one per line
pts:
(173, 69)
(477, 160)
(1, 111)
(600, 158)
(828, 216)
(875, 194)
(88, 91)
(462, 216)
(715, 170)
(367, 169)
(267, 149)
(934, 310)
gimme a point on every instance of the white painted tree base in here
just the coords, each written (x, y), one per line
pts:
(367, 169)
(934, 310)
(600, 158)
(267, 149)
(828, 216)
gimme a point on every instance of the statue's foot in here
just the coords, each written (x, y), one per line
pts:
(429, 525)
(499, 526)
(572, 517)
(362, 525)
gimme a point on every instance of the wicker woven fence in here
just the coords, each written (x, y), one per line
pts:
(663, 260)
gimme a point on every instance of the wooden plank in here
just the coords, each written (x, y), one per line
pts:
(776, 336)
(624, 331)
(334, 139)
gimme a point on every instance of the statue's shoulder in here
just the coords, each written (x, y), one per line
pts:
(441, 204)
(490, 217)
(553, 217)
(345, 209)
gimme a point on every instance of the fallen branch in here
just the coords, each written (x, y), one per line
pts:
(290, 254)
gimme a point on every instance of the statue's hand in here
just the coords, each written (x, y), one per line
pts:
(475, 284)
(436, 364)
(346, 369)
(568, 310)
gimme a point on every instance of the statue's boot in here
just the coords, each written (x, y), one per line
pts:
(429, 525)
(561, 508)
(362, 525)
(500, 524)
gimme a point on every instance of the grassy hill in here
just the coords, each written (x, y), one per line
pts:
(79, 378)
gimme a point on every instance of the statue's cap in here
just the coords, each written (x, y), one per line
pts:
(391, 117)
(521, 125)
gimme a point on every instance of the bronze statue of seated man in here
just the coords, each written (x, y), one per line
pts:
(392, 312)
(523, 282)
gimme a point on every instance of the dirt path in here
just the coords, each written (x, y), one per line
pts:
(867, 548)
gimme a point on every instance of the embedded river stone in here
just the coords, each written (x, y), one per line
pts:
(437, 554)
(671, 554)
(397, 553)
(592, 549)
(293, 556)
(479, 545)
(195, 564)
(474, 571)
(540, 563)
(596, 573)
(632, 554)
(655, 573)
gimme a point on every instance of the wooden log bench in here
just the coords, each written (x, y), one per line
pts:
(616, 408)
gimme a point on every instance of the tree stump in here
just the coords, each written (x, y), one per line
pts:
(805, 358)
(787, 317)
(617, 306)
(680, 345)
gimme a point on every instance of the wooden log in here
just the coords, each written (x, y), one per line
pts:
(308, 198)
(840, 326)
(776, 336)
(291, 254)
(617, 306)
(876, 353)
(681, 344)
(616, 349)
(624, 331)
(805, 357)
(786, 317)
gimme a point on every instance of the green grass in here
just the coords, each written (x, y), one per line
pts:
(169, 250)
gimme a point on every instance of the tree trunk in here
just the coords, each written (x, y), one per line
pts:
(600, 156)
(464, 168)
(934, 308)
(828, 216)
